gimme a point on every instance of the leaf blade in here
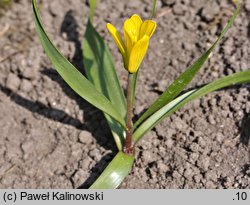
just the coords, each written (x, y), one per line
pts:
(71, 75)
(92, 5)
(167, 110)
(100, 70)
(185, 78)
(115, 172)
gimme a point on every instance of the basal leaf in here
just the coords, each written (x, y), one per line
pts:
(100, 70)
(92, 5)
(72, 76)
(115, 172)
(167, 110)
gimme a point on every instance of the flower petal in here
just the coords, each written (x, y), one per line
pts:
(148, 28)
(132, 28)
(137, 22)
(117, 38)
(129, 33)
(137, 54)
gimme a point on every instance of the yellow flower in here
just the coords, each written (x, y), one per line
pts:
(137, 35)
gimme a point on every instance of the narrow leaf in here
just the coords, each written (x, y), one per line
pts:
(115, 172)
(100, 70)
(167, 110)
(92, 5)
(117, 131)
(72, 76)
(153, 9)
(185, 78)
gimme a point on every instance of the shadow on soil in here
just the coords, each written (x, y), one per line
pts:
(248, 30)
(69, 27)
(91, 124)
(245, 130)
(93, 118)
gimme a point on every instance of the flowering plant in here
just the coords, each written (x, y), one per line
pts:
(101, 86)
(137, 35)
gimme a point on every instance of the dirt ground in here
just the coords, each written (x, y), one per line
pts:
(51, 138)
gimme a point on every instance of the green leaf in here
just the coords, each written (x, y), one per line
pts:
(185, 78)
(92, 5)
(72, 76)
(117, 131)
(100, 70)
(167, 110)
(115, 172)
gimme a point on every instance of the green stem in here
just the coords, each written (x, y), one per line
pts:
(153, 9)
(128, 146)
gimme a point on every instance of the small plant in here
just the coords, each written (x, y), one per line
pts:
(101, 86)
(4, 2)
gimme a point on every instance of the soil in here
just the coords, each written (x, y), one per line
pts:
(51, 138)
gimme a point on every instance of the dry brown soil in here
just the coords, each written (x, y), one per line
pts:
(51, 138)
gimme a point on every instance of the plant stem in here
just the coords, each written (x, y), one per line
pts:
(153, 9)
(128, 146)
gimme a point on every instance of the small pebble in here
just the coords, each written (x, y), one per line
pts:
(197, 178)
(29, 73)
(202, 142)
(210, 185)
(169, 143)
(79, 176)
(26, 86)
(85, 137)
(211, 175)
(176, 175)
(206, 163)
(13, 82)
(178, 9)
(188, 173)
(211, 120)
(147, 156)
(209, 11)
(95, 153)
